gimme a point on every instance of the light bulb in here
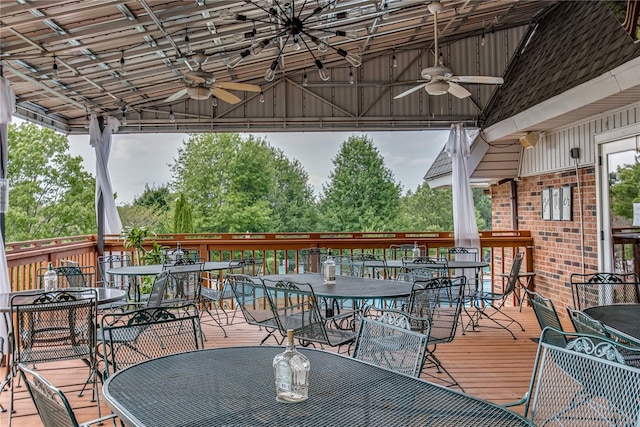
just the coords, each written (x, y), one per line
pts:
(394, 61)
(296, 43)
(56, 76)
(238, 59)
(385, 12)
(261, 99)
(187, 42)
(214, 101)
(482, 40)
(350, 34)
(270, 74)
(124, 117)
(352, 80)
(123, 69)
(305, 82)
(257, 48)
(172, 117)
(324, 74)
(351, 58)
(321, 44)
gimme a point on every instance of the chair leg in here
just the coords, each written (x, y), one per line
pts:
(431, 357)
(206, 309)
(510, 320)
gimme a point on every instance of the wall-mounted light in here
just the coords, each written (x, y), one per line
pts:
(530, 139)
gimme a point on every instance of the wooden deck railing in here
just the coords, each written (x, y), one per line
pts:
(281, 251)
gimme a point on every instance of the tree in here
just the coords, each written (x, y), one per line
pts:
(182, 220)
(483, 207)
(625, 189)
(154, 197)
(428, 209)
(362, 194)
(51, 195)
(292, 200)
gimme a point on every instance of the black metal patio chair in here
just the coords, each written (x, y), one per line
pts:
(603, 288)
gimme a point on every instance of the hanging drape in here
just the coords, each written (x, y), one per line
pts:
(101, 141)
(465, 227)
(7, 107)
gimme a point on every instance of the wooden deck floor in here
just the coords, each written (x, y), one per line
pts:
(488, 363)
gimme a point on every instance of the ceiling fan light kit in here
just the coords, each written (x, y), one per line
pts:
(437, 87)
(199, 92)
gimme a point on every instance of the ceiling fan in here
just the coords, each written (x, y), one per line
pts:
(201, 85)
(439, 79)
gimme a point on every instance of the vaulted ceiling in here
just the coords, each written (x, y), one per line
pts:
(117, 55)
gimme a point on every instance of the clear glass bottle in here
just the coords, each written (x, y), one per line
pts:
(291, 370)
(416, 250)
(50, 279)
(329, 269)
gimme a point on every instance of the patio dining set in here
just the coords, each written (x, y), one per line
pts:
(385, 318)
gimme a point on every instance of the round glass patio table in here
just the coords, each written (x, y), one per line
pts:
(235, 386)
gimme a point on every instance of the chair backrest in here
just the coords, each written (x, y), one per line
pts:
(51, 326)
(425, 266)
(51, 403)
(405, 250)
(547, 316)
(158, 289)
(296, 307)
(134, 336)
(585, 324)
(179, 255)
(602, 288)
(253, 300)
(466, 253)
(309, 260)
(248, 265)
(344, 265)
(390, 342)
(71, 276)
(370, 265)
(185, 280)
(585, 383)
(439, 300)
(512, 279)
(107, 262)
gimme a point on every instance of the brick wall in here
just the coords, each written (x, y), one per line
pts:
(557, 248)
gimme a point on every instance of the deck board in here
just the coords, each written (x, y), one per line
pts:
(488, 363)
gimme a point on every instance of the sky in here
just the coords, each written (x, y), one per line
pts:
(137, 159)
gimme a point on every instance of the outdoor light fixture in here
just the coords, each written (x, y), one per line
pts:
(286, 21)
(56, 76)
(123, 69)
(530, 139)
(199, 92)
(172, 117)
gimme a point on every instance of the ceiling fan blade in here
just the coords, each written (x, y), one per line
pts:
(224, 95)
(413, 89)
(238, 86)
(179, 94)
(458, 91)
(478, 79)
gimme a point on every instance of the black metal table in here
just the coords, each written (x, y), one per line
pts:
(348, 287)
(153, 269)
(105, 296)
(621, 319)
(235, 386)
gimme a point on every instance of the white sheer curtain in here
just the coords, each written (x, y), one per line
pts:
(7, 107)
(101, 142)
(465, 227)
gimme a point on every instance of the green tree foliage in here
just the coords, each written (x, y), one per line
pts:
(362, 194)
(152, 210)
(482, 203)
(182, 220)
(292, 200)
(237, 185)
(154, 197)
(427, 209)
(625, 189)
(51, 195)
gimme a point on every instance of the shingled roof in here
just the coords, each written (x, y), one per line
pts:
(572, 43)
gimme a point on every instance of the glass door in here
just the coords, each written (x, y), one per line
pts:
(619, 192)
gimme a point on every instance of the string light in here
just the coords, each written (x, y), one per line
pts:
(482, 40)
(124, 116)
(305, 82)
(261, 99)
(352, 80)
(56, 76)
(123, 69)
(214, 101)
(172, 117)
(394, 60)
(187, 42)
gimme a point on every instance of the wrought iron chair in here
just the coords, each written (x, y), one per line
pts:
(248, 265)
(396, 251)
(371, 265)
(390, 342)
(310, 260)
(495, 301)
(425, 266)
(594, 289)
(212, 299)
(344, 265)
(585, 324)
(52, 404)
(296, 307)
(134, 336)
(468, 253)
(185, 282)
(439, 300)
(106, 280)
(71, 276)
(585, 383)
(254, 302)
(55, 326)
(179, 255)
(547, 316)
